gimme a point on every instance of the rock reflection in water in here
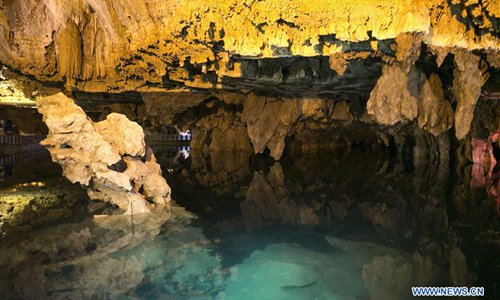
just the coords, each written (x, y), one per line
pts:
(268, 201)
(334, 222)
(128, 256)
(438, 229)
(34, 193)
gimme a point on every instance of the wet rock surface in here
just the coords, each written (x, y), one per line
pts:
(387, 277)
(33, 193)
(31, 204)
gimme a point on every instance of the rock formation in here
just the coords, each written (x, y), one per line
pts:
(29, 206)
(102, 45)
(485, 163)
(468, 78)
(268, 201)
(387, 277)
(388, 106)
(412, 60)
(109, 158)
(269, 121)
(347, 114)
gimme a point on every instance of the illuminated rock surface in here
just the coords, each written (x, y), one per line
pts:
(26, 206)
(109, 158)
(401, 52)
(98, 45)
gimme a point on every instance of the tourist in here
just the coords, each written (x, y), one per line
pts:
(2, 126)
(8, 128)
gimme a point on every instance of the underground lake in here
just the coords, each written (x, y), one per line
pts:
(250, 149)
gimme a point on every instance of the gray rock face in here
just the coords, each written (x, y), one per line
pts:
(109, 158)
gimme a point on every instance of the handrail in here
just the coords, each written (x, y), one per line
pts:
(167, 137)
(19, 139)
(14, 158)
(27, 139)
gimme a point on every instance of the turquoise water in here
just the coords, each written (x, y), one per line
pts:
(320, 227)
(142, 257)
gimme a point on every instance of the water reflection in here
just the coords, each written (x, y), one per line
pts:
(342, 224)
(439, 231)
(114, 256)
(33, 192)
(172, 156)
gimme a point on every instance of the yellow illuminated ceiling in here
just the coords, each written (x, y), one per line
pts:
(107, 45)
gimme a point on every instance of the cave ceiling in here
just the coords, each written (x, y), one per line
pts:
(280, 45)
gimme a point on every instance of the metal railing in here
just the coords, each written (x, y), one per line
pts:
(158, 137)
(19, 139)
(11, 160)
(490, 95)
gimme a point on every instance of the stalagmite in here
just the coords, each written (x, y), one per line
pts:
(109, 158)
